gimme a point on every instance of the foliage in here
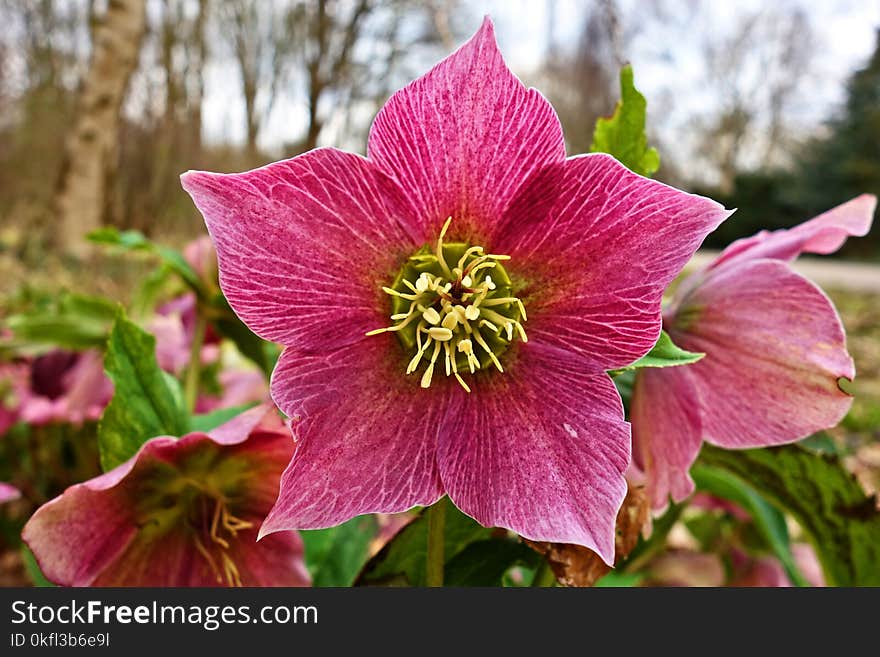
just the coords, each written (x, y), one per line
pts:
(335, 555)
(623, 134)
(147, 402)
(843, 523)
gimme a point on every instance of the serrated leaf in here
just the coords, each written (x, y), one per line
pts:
(768, 521)
(147, 402)
(664, 353)
(132, 240)
(335, 556)
(841, 521)
(402, 561)
(623, 134)
(483, 563)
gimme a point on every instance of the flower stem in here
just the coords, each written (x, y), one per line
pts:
(191, 384)
(436, 534)
(544, 575)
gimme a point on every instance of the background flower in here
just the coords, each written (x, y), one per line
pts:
(181, 512)
(775, 350)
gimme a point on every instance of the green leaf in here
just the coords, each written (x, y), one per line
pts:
(769, 522)
(147, 402)
(75, 322)
(132, 240)
(615, 579)
(483, 563)
(402, 561)
(820, 442)
(841, 521)
(664, 353)
(208, 421)
(623, 134)
(336, 555)
(148, 292)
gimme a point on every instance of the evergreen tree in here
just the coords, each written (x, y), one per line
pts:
(846, 162)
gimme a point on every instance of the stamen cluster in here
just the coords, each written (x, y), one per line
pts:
(467, 312)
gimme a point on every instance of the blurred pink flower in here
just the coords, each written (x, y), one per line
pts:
(764, 571)
(306, 245)
(181, 512)
(8, 492)
(60, 386)
(686, 568)
(200, 255)
(775, 350)
(174, 328)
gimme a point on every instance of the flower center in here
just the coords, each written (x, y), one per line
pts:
(203, 513)
(458, 302)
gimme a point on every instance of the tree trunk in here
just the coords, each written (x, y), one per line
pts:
(83, 195)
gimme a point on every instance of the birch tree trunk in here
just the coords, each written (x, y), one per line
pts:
(83, 195)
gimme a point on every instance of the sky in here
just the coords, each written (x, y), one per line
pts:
(667, 62)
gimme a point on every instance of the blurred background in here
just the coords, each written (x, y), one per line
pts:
(770, 108)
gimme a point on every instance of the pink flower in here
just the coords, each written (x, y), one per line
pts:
(61, 386)
(468, 214)
(775, 349)
(8, 492)
(199, 254)
(181, 512)
(174, 328)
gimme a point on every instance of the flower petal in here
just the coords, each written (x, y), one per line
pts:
(101, 526)
(541, 450)
(665, 415)
(823, 234)
(276, 560)
(775, 349)
(304, 245)
(597, 245)
(366, 435)
(462, 139)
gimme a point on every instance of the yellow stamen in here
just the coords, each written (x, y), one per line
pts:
(451, 306)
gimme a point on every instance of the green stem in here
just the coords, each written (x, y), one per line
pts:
(544, 575)
(191, 384)
(436, 531)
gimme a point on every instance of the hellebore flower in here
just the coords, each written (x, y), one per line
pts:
(775, 349)
(464, 216)
(181, 512)
(64, 386)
